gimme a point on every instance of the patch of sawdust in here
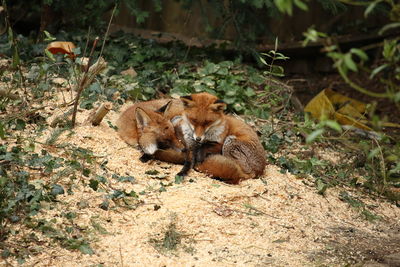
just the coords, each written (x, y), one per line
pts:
(281, 223)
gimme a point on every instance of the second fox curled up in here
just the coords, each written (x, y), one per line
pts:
(195, 132)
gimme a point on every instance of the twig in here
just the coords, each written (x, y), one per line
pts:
(108, 29)
(120, 255)
(82, 83)
(87, 42)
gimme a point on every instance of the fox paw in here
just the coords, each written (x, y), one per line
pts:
(149, 149)
(229, 139)
(145, 158)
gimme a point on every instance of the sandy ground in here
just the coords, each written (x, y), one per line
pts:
(277, 221)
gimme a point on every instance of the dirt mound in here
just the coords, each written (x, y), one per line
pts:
(278, 220)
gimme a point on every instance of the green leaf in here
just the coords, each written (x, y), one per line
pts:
(94, 184)
(370, 8)
(377, 70)
(373, 153)
(389, 26)
(301, 5)
(57, 189)
(334, 125)
(263, 60)
(314, 135)
(284, 6)
(348, 61)
(2, 131)
(49, 55)
(133, 194)
(48, 37)
(179, 179)
(361, 54)
(321, 186)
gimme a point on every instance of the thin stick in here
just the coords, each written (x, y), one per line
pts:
(87, 42)
(120, 255)
(108, 29)
(82, 83)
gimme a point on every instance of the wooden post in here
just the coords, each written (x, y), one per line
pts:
(100, 113)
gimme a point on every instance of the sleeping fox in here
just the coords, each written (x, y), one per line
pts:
(148, 124)
(222, 146)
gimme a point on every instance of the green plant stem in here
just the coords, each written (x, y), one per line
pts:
(359, 88)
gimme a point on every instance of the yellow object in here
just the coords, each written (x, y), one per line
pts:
(343, 109)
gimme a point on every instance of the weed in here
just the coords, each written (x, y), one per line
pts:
(359, 206)
(169, 240)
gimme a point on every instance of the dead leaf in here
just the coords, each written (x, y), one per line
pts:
(62, 47)
(60, 81)
(343, 109)
(130, 72)
(223, 211)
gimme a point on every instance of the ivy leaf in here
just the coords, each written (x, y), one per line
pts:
(94, 184)
(321, 186)
(57, 189)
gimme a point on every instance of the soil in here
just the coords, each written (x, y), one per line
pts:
(277, 220)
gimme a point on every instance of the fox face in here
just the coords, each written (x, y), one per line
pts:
(155, 131)
(203, 118)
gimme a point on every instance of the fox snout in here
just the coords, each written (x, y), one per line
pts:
(198, 139)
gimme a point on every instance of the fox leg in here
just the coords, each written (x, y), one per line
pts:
(169, 155)
(220, 166)
(190, 159)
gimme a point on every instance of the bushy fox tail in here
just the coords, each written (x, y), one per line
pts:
(224, 168)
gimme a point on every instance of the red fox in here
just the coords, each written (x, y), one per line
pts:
(228, 148)
(148, 125)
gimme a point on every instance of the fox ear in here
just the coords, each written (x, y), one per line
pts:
(142, 118)
(187, 101)
(164, 109)
(218, 105)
